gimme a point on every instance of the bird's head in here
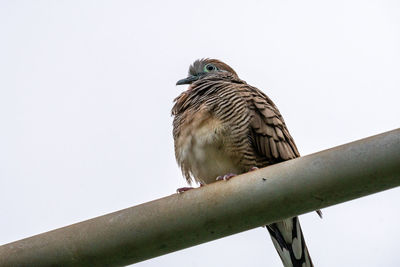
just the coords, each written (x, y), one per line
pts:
(204, 67)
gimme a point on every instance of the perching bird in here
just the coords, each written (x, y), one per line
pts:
(224, 126)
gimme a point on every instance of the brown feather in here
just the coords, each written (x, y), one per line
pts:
(274, 149)
(223, 125)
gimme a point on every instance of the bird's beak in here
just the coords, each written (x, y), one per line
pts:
(187, 80)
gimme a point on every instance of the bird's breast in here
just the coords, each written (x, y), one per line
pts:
(203, 146)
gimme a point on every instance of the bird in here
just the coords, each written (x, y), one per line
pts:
(222, 126)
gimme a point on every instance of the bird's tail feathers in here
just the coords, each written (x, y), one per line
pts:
(289, 241)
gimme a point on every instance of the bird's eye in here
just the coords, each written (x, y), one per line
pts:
(209, 68)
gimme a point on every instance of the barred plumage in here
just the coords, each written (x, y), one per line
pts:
(223, 125)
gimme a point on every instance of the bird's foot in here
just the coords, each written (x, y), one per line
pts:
(183, 189)
(253, 169)
(225, 177)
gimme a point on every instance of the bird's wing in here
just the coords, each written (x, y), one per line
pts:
(269, 134)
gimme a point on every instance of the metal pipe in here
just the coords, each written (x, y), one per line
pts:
(250, 200)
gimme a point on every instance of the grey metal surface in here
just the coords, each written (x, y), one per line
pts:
(250, 200)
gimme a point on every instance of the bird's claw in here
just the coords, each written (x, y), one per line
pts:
(183, 189)
(225, 177)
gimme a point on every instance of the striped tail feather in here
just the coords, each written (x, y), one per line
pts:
(289, 241)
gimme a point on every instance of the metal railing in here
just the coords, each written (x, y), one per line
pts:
(247, 201)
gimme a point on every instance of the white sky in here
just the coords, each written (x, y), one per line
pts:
(86, 90)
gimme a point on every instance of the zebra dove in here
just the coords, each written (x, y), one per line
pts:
(222, 125)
